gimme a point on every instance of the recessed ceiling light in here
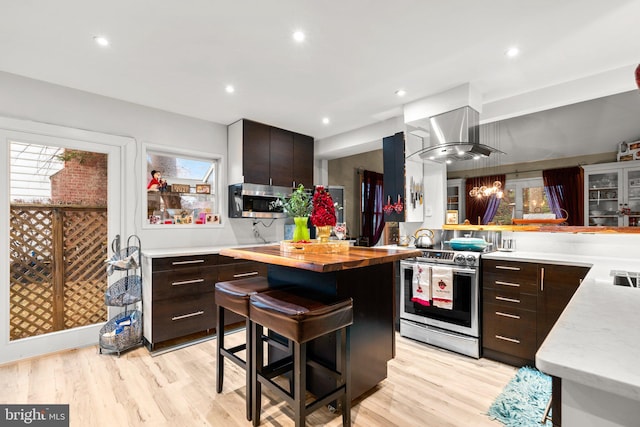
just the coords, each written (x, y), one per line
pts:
(512, 52)
(100, 40)
(298, 36)
(326, 120)
(229, 89)
(401, 92)
(476, 157)
(448, 162)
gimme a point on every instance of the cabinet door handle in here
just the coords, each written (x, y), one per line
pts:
(513, 340)
(184, 316)
(517, 301)
(187, 282)
(498, 282)
(507, 267)
(195, 261)
(511, 316)
(251, 273)
(542, 279)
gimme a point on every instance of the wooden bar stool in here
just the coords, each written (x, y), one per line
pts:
(301, 316)
(234, 296)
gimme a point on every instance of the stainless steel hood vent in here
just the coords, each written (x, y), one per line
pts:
(453, 136)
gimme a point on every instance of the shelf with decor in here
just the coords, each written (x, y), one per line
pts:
(124, 330)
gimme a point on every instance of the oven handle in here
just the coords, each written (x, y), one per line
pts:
(456, 270)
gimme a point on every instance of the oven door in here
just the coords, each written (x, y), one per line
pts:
(461, 318)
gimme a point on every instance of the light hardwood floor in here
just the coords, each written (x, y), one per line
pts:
(425, 387)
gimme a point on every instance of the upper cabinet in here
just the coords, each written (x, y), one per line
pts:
(612, 194)
(263, 154)
(403, 181)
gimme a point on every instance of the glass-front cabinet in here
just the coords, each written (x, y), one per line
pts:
(455, 201)
(612, 194)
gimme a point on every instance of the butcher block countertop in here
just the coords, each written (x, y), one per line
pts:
(355, 257)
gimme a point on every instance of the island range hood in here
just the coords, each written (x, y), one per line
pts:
(450, 136)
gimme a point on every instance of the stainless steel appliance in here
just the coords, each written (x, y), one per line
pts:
(256, 201)
(455, 328)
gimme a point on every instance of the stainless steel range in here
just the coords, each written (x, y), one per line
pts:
(440, 300)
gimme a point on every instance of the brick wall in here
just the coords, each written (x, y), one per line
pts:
(82, 181)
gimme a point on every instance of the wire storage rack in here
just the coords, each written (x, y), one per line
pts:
(124, 330)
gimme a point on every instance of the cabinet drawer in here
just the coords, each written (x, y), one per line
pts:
(494, 313)
(516, 337)
(513, 281)
(526, 272)
(185, 281)
(240, 270)
(510, 298)
(180, 262)
(187, 315)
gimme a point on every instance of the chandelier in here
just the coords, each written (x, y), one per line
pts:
(491, 132)
(484, 191)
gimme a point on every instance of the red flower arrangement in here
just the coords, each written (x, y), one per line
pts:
(324, 212)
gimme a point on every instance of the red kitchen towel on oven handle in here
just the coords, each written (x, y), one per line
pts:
(421, 285)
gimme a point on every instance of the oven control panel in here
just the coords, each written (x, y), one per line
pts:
(467, 259)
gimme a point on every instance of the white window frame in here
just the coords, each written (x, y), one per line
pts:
(518, 185)
(217, 187)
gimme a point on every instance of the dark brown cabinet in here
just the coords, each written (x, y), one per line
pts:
(558, 283)
(393, 180)
(521, 303)
(269, 155)
(255, 153)
(180, 297)
(302, 160)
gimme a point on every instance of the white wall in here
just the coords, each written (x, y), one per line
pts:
(29, 99)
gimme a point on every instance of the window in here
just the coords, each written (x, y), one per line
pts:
(522, 196)
(182, 188)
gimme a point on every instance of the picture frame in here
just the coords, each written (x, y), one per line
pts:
(203, 189)
(452, 217)
(180, 188)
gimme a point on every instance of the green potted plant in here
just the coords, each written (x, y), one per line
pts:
(298, 206)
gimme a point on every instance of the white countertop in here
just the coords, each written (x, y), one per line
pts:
(596, 341)
(194, 250)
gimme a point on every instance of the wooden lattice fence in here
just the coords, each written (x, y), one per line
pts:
(57, 269)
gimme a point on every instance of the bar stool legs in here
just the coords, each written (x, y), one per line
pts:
(301, 319)
(223, 353)
(234, 296)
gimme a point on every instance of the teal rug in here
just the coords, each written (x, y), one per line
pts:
(523, 400)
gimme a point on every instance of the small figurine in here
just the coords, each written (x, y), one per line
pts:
(156, 183)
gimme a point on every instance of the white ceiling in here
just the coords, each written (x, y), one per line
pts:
(179, 55)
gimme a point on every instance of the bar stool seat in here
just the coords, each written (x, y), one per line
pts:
(234, 296)
(300, 315)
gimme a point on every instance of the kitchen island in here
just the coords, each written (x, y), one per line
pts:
(364, 274)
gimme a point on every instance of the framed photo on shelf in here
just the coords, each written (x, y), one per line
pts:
(203, 188)
(180, 188)
(452, 217)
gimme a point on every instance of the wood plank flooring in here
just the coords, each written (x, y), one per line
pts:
(426, 386)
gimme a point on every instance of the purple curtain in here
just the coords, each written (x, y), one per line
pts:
(564, 188)
(372, 202)
(492, 208)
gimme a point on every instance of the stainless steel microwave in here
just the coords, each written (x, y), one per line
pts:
(256, 201)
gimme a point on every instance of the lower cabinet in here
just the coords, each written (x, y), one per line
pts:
(179, 298)
(521, 303)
